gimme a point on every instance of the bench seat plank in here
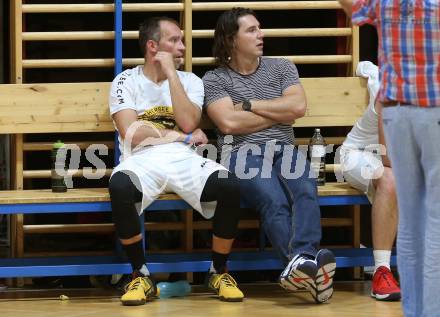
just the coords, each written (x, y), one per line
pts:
(77, 195)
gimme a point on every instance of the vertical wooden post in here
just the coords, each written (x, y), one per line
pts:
(17, 221)
(354, 49)
(187, 24)
(188, 232)
(18, 162)
(16, 43)
(16, 71)
(356, 216)
(342, 46)
(188, 236)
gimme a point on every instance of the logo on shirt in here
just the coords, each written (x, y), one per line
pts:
(160, 116)
(204, 163)
(119, 91)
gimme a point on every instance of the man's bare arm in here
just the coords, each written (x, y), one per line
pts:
(285, 109)
(186, 114)
(230, 121)
(143, 133)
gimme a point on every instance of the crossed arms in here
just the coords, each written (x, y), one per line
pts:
(231, 119)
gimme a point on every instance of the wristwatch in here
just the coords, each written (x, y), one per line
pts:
(246, 105)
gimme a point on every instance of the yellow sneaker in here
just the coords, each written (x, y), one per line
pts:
(138, 291)
(226, 287)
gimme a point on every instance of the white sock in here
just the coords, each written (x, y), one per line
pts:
(212, 269)
(144, 271)
(381, 258)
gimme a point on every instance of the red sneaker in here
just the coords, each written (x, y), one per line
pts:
(384, 286)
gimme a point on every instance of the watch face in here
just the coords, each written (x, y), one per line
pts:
(247, 105)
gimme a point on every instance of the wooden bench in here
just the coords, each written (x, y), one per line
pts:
(82, 107)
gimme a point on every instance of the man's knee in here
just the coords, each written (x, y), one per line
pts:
(305, 186)
(227, 213)
(229, 184)
(124, 195)
(222, 188)
(386, 183)
(121, 186)
(117, 183)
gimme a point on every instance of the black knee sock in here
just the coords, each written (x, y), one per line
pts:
(135, 254)
(124, 194)
(226, 192)
(219, 261)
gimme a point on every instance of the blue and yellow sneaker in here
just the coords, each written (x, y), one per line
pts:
(225, 287)
(138, 291)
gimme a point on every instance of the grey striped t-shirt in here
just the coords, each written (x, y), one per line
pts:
(271, 78)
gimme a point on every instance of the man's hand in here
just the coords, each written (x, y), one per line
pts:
(167, 62)
(198, 137)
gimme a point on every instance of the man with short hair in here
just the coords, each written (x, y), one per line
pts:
(156, 110)
(255, 99)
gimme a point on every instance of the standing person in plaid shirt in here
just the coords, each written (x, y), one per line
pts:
(409, 61)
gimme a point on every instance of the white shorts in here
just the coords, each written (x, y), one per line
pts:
(172, 167)
(359, 168)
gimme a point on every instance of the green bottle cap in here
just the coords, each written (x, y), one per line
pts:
(58, 144)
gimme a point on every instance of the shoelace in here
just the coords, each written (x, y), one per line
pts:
(298, 261)
(301, 260)
(384, 274)
(226, 279)
(134, 284)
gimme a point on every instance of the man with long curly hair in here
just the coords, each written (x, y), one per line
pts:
(253, 101)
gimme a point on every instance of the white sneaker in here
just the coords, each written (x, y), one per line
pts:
(299, 274)
(326, 263)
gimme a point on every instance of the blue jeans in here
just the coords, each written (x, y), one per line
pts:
(288, 205)
(412, 135)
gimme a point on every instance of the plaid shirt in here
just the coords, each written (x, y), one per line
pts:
(409, 48)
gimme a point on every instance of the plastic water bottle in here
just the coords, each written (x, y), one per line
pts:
(317, 156)
(173, 289)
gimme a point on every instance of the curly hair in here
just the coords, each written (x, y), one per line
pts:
(225, 30)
